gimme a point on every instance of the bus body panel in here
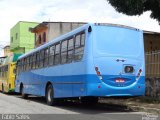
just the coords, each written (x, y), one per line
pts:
(102, 89)
(65, 84)
(112, 65)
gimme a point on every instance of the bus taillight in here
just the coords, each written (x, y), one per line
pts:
(98, 73)
(139, 73)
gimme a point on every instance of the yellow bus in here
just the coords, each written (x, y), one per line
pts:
(7, 77)
(7, 74)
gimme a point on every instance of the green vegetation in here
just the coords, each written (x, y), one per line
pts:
(137, 7)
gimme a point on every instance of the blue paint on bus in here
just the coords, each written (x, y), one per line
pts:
(108, 51)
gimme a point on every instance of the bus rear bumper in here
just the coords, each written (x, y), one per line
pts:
(104, 90)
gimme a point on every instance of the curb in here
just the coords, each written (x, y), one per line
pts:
(144, 109)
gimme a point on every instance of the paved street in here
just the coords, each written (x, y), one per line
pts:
(14, 104)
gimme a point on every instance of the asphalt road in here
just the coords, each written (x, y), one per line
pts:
(14, 104)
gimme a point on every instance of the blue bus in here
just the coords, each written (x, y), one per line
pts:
(92, 61)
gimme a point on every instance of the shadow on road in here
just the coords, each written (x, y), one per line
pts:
(94, 109)
(85, 109)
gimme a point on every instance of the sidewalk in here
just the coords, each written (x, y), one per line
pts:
(137, 104)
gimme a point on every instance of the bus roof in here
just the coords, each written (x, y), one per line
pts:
(77, 30)
(115, 25)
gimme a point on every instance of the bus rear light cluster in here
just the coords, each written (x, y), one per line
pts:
(98, 73)
(139, 74)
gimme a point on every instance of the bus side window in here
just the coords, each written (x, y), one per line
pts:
(23, 64)
(27, 63)
(70, 50)
(37, 59)
(57, 54)
(82, 39)
(3, 71)
(41, 62)
(51, 55)
(30, 62)
(6, 70)
(17, 67)
(20, 67)
(79, 47)
(64, 52)
(46, 57)
(34, 61)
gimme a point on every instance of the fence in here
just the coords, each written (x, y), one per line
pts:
(153, 74)
(153, 88)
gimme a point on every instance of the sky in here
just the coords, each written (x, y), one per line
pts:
(12, 11)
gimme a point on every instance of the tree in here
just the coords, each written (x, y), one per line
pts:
(137, 7)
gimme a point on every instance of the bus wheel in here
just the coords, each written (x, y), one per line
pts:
(24, 96)
(49, 95)
(89, 100)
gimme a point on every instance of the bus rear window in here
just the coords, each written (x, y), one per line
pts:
(117, 41)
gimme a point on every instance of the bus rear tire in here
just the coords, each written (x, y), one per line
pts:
(50, 95)
(24, 96)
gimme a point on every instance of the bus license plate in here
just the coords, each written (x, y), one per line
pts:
(120, 81)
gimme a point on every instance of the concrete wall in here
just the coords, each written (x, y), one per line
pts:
(7, 51)
(59, 28)
(14, 42)
(22, 38)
